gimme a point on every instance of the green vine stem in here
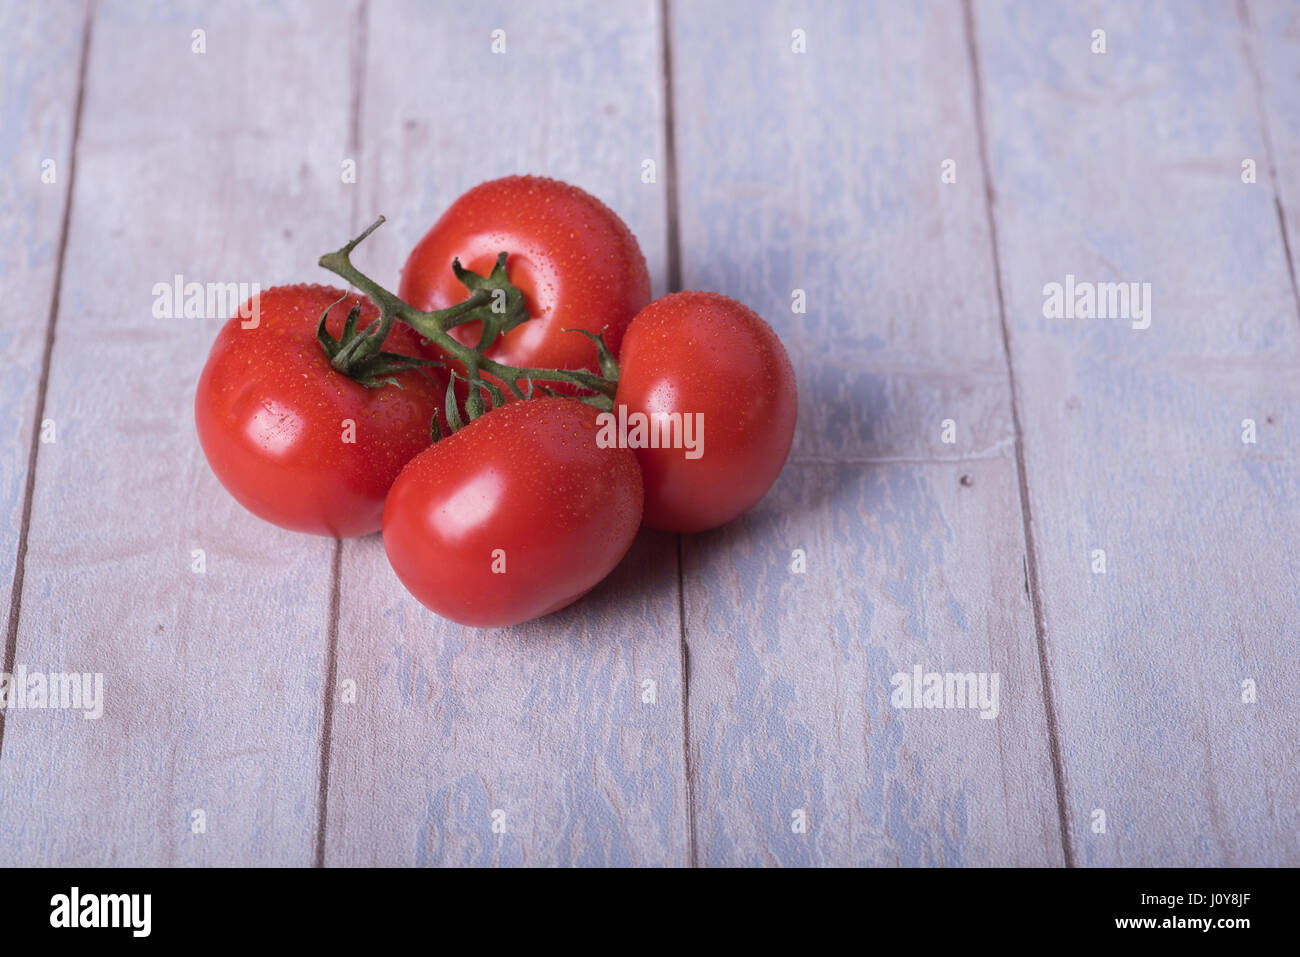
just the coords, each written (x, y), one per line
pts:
(495, 302)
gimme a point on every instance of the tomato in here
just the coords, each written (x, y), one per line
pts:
(709, 357)
(514, 516)
(576, 263)
(273, 414)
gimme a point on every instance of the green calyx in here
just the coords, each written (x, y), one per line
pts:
(505, 309)
(357, 353)
(494, 301)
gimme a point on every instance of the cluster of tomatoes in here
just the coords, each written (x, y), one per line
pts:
(471, 414)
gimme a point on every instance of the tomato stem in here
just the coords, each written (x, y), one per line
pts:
(357, 354)
(494, 301)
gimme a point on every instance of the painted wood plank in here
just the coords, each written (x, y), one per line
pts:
(1272, 40)
(202, 165)
(38, 96)
(1125, 166)
(821, 171)
(544, 728)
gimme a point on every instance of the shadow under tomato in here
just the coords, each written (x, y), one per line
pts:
(638, 597)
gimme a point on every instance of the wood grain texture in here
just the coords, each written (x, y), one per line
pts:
(1126, 166)
(1271, 40)
(545, 725)
(821, 171)
(212, 682)
(38, 95)
(817, 171)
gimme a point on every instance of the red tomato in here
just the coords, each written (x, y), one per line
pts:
(576, 263)
(709, 357)
(513, 517)
(272, 416)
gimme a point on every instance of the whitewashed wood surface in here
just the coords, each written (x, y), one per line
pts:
(775, 171)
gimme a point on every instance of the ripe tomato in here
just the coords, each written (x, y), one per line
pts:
(514, 516)
(576, 263)
(273, 414)
(699, 352)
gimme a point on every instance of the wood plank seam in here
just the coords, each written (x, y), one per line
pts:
(1248, 42)
(670, 151)
(16, 600)
(327, 716)
(685, 657)
(674, 281)
(360, 38)
(1031, 561)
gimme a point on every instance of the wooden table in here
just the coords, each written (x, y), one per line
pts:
(711, 695)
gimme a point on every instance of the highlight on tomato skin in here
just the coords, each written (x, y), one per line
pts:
(576, 262)
(703, 355)
(517, 515)
(296, 442)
